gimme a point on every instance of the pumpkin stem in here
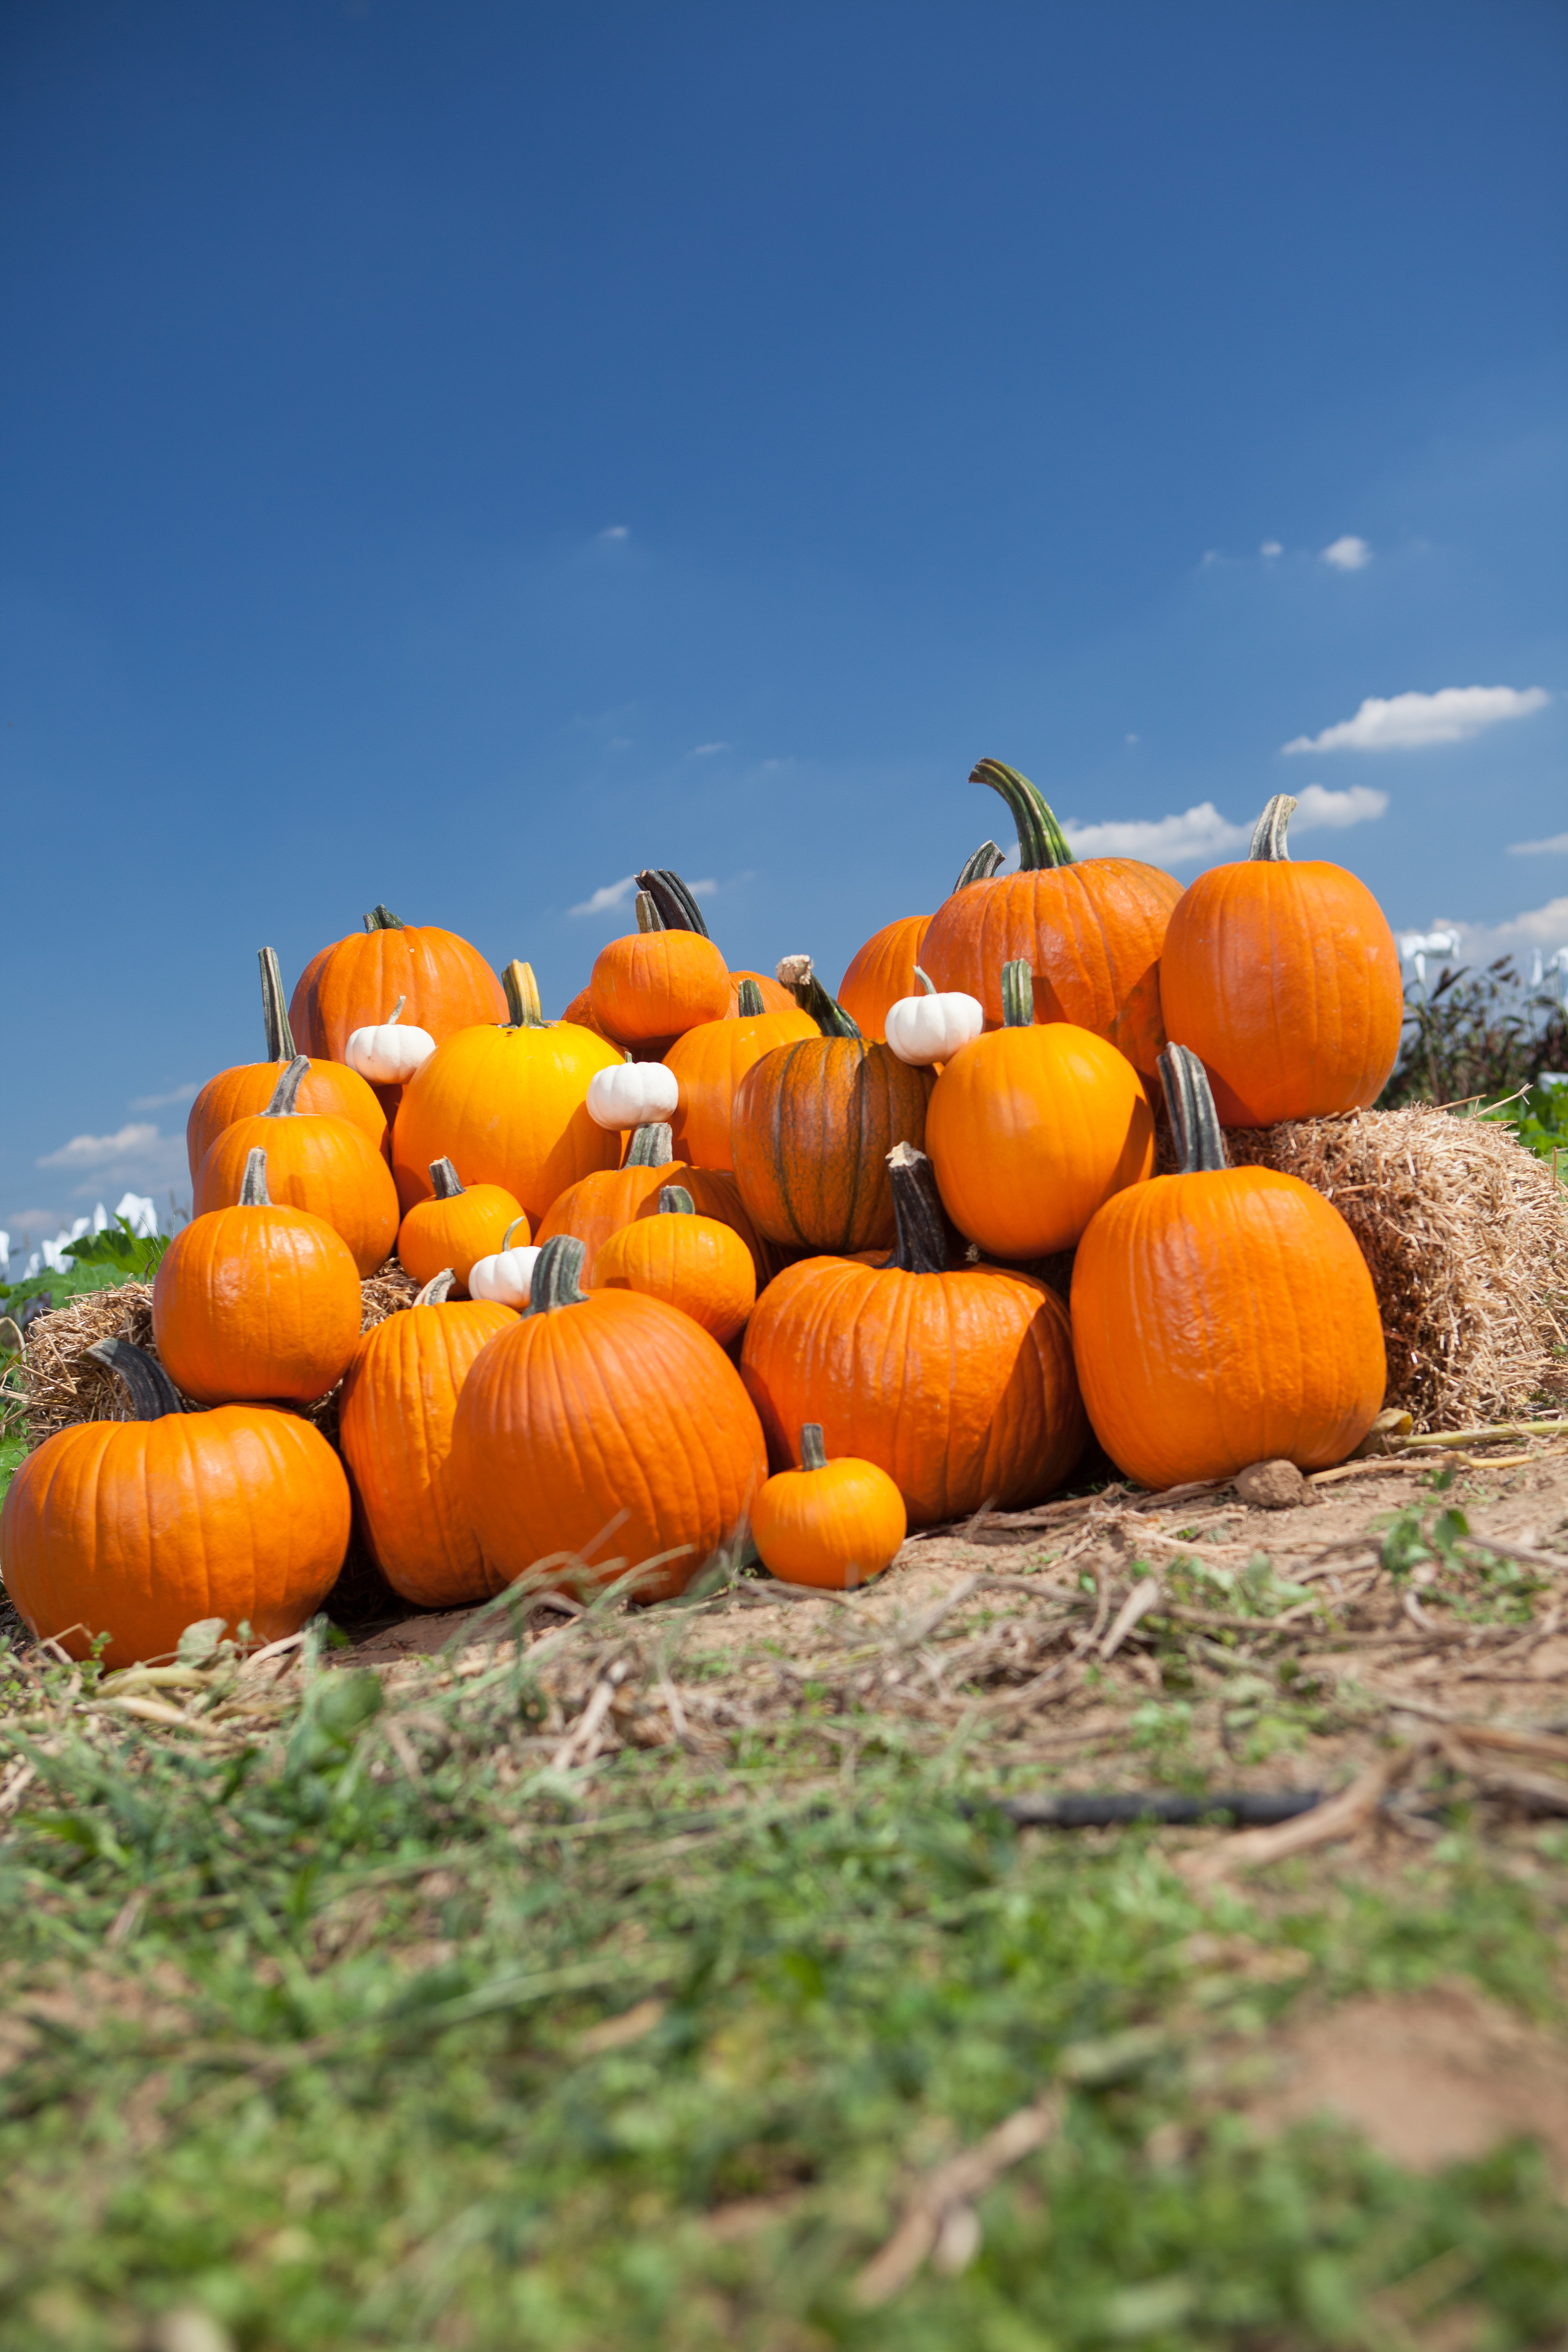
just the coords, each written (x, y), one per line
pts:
(748, 1001)
(1190, 1101)
(284, 1093)
(648, 916)
(253, 1191)
(813, 1453)
(986, 861)
(443, 1176)
(652, 1146)
(396, 1012)
(795, 972)
(1268, 842)
(153, 1393)
(382, 919)
(675, 1201)
(679, 911)
(1041, 840)
(436, 1289)
(274, 1009)
(506, 1237)
(922, 1228)
(928, 985)
(557, 1275)
(522, 1000)
(1018, 994)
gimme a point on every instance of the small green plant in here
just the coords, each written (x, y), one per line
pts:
(98, 1261)
(1481, 1037)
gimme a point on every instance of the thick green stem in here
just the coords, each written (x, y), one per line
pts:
(382, 919)
(1017, 995)
(275, 1009)
(444, 1177)
(813, 1453)
(986, 861)
(795, 972)
(1269, 842)
(557, 1275)
(922, 1228)
(679, 911)
(652, 1146)
(1190, 1101)
(152, 1393)
(436, 1288)
(750, 1004)
(675, 1201)
(286, 1091)
(253, 1191)
(1041, 840)
(522, 997)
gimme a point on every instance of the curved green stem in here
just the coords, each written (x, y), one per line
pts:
(1017, 995)
(928, 985)
(678, 909)
(444, 1177)
(382, 919)
(1269, 842)
(153, 1393)
(795, 972)
(750, 1002)
(923, 1229)
(506, 1237)
(813, 1453)
(1190, 1101)
(275, 1009)
(253, 1191)
(1041, 840)
(522, 999)
(652, 1146)
(436, 1289)
(986, 861)
(557, 1275)
(286, 1091)
(675, 1201)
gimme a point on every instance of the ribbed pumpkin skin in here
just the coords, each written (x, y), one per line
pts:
(618, 1405)
(396, 1431)
(812, 1127)
(437, 1234)
(327, 1086)
(657, 984)
(694, 1263)
(1092, 935)
(356, 982)
(838, 1526)
(1221, 1318)
(775, 997)
(256, 1304)
(1284, 981)
(139, 1528)
(709, 1062)
(601, 1204)
(881, 971)
(579, 1011)
(509, 1107)
(1031, 1130)
(327, 1166)
(960, 1386)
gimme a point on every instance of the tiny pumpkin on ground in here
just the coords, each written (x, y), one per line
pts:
(837, 1524)
(457, 1227)
(695, 1263)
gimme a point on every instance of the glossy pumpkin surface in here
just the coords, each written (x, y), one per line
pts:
(881, 972)
(833, 1524)
(709, 1062)
(446, 985)
(509, 1107)
(657, 984)
(601, 1204)
(692, 1262)
(458, 1229)
(246, 1088)
(325, 1165)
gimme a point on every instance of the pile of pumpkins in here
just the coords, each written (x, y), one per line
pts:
(717, 1250)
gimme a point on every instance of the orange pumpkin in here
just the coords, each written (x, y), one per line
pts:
(1285, 981)
(958, 1384)
(395, 1430)
(241, 1092)
(1031, 1130)
(325, 1165)
(601, 1204)
(710, 1063)
(138, 1528)
(1223, 1316)
(656, 983)
(607, 1432)
(257, 1302)
(774, 998)
(881, 972)
(837, 1524)
(456, 1227)
(447, 984)
(811, 1126)
(1091, 931)
(695, 1263)
(509, 1105)
(580, 1013)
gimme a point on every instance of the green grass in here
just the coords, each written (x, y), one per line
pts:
(321, 2055)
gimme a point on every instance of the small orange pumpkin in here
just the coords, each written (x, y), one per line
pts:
(314, 1161)
(241, 1092)
(456, 1227)
(837, 1524)
(710, 1061)
(657, 982)
(602, 1203)
(694, 1262)
(138, 1528)
(257, 1301)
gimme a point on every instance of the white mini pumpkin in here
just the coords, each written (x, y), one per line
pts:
(932, 1027)
(507, 1275)
(633, 1094)
(389, 1052)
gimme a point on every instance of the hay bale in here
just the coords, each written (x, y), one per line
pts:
(1466, 1233)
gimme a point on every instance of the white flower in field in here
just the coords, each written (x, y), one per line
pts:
(5, 1252)
(139, 1214)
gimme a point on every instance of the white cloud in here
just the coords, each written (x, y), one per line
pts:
(1318, 810)
(1559, 841)
(1184, 840)
(708, 889)
(616, 530)
(162, 1102)
(706, 751)
(1272, 547)
(1410, 722)
(608, 895)
(99, 1150)
(1542, 927)
(1132, 739)
(1347, 555)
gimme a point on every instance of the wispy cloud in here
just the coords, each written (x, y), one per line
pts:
(1271, 547)
(1558, 842)
(1410, 722)
(98, 1150)
(162, 1102)
(1346, 554)
(1541, 927)
(615, 530)
(706, 751)
(1319, 810)
(608, 895)
(1200, 833)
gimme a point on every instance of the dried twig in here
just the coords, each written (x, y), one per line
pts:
(939, 2216)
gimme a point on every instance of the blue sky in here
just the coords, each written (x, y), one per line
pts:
(455, 454)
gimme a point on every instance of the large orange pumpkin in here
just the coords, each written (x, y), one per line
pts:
(445, 983)
(314, 1161)
(1091, 931)
(1285, 981)
(395, 1430)
(958, 1384)
(604, 1432)
(657, 982)
(138, 1528)
(881, 972)
(257, 1302)
(458, 1225)
(240, 1092)
(600, 1204)
(509, 1106)
(1031, 1130)
(813, 1124)
(710, 1063)
(697, 1263)
(1223, 1316)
